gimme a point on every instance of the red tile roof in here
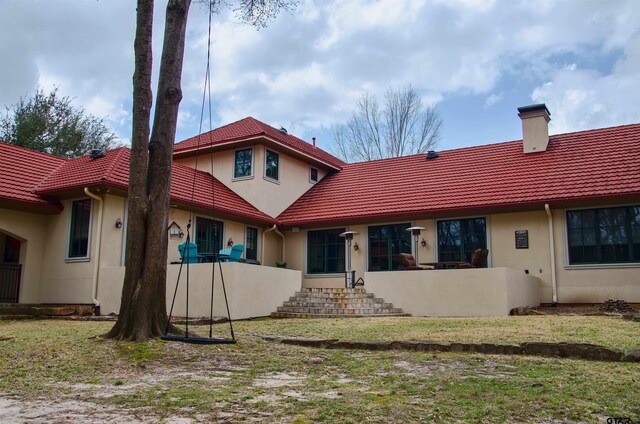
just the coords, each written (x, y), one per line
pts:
(587, 165)
(20, 172)
(29, 176)
(250, 127)
(77, 173)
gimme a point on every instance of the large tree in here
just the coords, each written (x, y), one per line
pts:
(401, 127)
(143, 311)
(49, 123)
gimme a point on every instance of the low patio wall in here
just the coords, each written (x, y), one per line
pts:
(252, 291)
(455, 292)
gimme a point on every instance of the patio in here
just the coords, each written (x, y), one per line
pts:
(252, 290)
(456, 292)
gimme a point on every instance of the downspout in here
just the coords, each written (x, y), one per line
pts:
(274, 228)
(96, 262)
(554, 287)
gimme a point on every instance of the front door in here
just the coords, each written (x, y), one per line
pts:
(10, 269)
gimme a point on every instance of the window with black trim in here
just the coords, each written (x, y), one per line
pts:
(251, 243)
(243, 163)
(386, 242)
(604, 235)
(459, 238)
(325, 251)
(271, 170)
(313, 175)
(209, 235)
(79, 228)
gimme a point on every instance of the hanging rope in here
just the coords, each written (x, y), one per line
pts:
(206, 95)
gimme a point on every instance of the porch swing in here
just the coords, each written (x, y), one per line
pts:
(187, 338)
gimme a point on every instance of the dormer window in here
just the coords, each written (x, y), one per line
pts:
(313, 175)
(243, 163)
(271, 166)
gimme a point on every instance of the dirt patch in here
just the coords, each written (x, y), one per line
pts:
(63, 411)
(280, 379)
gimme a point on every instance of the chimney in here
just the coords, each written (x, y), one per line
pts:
(535, 127)
(314, 142)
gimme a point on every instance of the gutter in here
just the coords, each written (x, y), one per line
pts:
(96, 262)
(274, 228)
(554, 284)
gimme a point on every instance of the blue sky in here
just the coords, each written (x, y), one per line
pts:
(476, 61)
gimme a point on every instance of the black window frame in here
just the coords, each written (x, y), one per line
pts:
(204, 234)
(387, 241)
(311, 172)
(329, 250)
(273, 168)
(80, 229)
(467, 241)
(244, 163)
(251, 243)
(588, 229)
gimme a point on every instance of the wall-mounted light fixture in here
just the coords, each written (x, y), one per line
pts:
(355, 246)
(118, 223)
(423, 242)
(175, 230)
(230, 242)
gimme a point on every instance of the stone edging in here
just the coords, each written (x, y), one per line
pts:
(553, 350)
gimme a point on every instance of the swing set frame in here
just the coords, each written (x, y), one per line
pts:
(187, 338)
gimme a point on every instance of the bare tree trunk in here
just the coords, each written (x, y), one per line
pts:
(143, 305)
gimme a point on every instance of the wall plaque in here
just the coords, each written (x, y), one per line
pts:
(522, 239)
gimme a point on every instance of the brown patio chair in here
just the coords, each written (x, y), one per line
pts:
(408, 262)
(478, 259)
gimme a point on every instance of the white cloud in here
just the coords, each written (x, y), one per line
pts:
(306, 70)
(582, 99)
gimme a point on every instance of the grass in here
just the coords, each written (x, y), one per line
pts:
(58, 362)
(606, 331)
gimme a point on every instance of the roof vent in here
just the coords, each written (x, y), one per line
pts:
(96, 153)
(432, 154)
(283, 130)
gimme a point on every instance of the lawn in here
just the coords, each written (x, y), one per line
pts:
(58, 369)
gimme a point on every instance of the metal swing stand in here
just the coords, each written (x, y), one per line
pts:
(186, 338)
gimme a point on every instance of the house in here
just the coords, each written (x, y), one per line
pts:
(559, 215)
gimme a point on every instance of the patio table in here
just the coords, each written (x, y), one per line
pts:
(212, 257)
(444, 264)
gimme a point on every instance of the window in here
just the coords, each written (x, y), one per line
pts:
(79, 228)
(271, 165)
(459, 238)
(243, 162)
(209, 235)
(251, 243)
(604, 236)
(325, 251)
(386, 242)
(313, 175)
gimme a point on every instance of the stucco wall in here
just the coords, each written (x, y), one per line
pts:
(252, 290)
(536, 258)
(65, 281)
(30, 229)
(597, 283)
(464, 292)
(266, 195)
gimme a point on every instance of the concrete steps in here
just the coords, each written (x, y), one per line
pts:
(335, 303)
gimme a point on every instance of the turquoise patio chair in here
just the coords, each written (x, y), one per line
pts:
(191, 253)
(236, 253)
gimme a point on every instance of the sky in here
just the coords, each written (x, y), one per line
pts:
(476, 61)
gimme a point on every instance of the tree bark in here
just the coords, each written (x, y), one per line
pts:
(143, 304)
